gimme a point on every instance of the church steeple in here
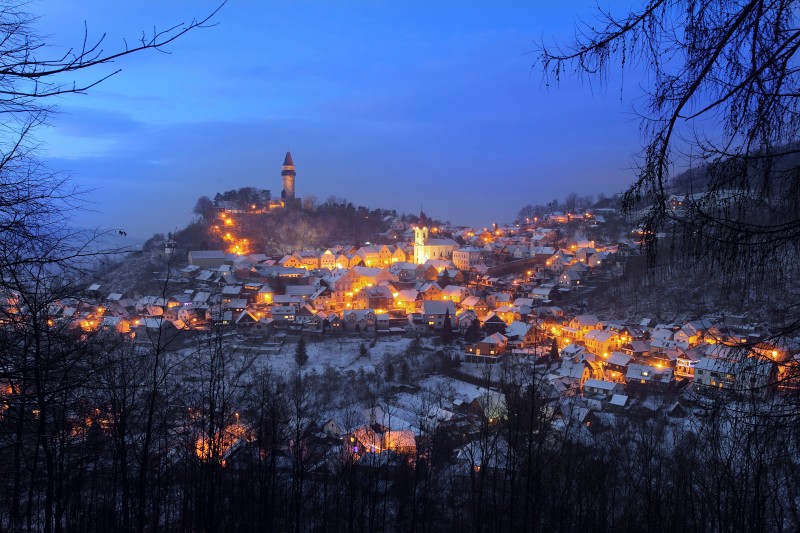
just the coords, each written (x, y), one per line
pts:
(288, 174)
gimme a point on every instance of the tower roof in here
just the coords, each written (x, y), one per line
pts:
(288, 166)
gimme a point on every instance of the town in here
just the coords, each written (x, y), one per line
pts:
(419, 350)
(515, 306)
(507, 295)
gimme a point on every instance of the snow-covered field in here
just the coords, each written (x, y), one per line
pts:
(339, 354)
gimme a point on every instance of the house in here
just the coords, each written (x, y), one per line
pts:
(583, 324)
(375, 439)
(328, 321)
(309, 259)
(408, 300)
(369, 277)
(662, 345)
(574, 418)
(573, 352)
(646, 378)
(492, 323)
(121, 325)
(305, 315)
(601, 342)
(487, 455)
(616, 366)
(475, 303)
(558, 260)
(618, 403)
(602, 388)
(207, 259)
(291, 261)
(342, 261)
(543, 292)
(464, 319)
(570, 279)
(283, 314)
(498, 299)
(635, 348)
(506, 313)
(749, 373)
(582, 254)
(450, 276)
(426, 273)
(488, 350)
(327, 260)
(429, 291)
(454, 293)
(370, 255)
(686, 364)
(360, 320)
(398, 256)
(377, 297)
(235, 304)
(575, 374)
(405, 272)
(520, 334)
(320, 299)
(245, 319)
(597, 260)
(434, 313)
(382, 322)
(468, 257)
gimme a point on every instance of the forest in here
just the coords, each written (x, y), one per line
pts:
(172, 433)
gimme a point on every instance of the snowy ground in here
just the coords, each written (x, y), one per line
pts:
(339, 354)
(347, 382)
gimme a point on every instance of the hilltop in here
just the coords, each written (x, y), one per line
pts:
(244, 226)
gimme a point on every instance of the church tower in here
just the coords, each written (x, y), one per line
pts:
(420, 245)
(287, 175)
(420, 236)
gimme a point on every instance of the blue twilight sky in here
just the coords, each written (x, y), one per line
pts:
(387, 104)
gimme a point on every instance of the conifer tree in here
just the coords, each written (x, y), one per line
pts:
(301, 353)
(473, 332)
(405, 371)
(389, 370)
(447, 328)
(554, 350)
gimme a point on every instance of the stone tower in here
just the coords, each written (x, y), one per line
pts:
(288, 174)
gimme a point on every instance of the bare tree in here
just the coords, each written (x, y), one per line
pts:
(722, 87)
(34, 201)
(46, 362)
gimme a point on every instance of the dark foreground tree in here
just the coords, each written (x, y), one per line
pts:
(722, 88)
(51, 370)
(34, 201)
(722, 95)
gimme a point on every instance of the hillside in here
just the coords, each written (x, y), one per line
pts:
(259, 229)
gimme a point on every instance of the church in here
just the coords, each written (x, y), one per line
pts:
(426, 248)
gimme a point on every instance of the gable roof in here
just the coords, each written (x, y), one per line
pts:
(438, 307)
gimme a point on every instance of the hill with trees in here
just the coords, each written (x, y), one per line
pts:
(245, 216)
